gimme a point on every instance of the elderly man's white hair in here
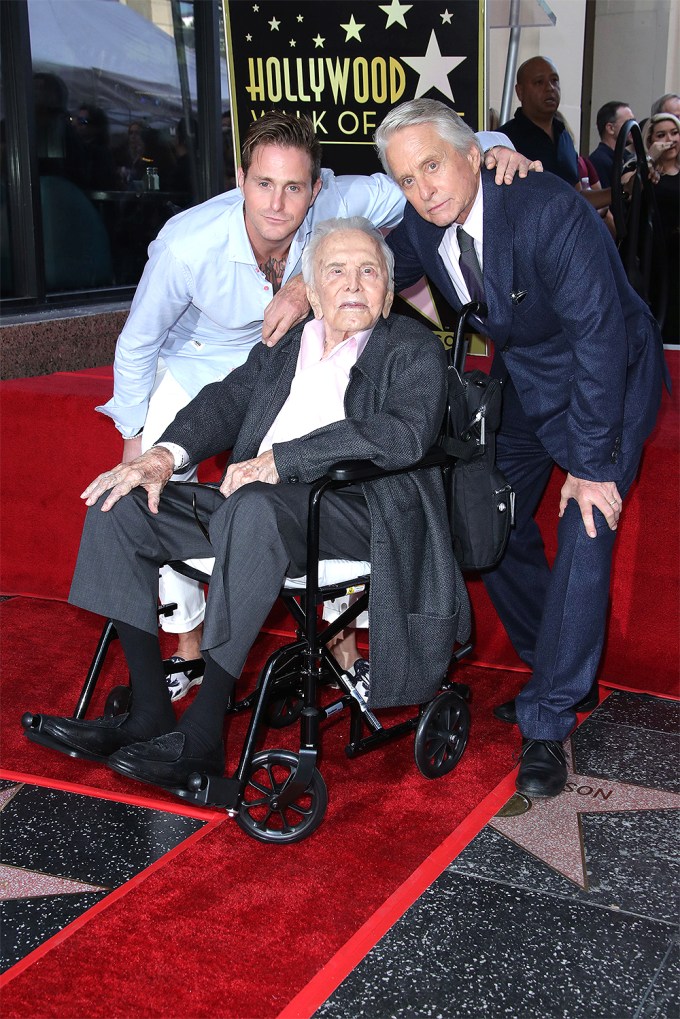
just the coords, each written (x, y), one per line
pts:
(425, 111)
(331, 226)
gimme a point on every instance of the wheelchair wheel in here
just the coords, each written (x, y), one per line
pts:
(259, 816)
(118, 701)
(442, 735)
(284, 708)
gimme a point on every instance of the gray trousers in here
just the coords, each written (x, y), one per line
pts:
(257, 536)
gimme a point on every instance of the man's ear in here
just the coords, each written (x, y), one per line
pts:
(387, 304)
(474, 158)
(518, 92)
(240, 177)
(313, 299)
(315, 190)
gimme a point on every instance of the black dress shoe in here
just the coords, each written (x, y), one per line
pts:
(91, 740)
(542, 769)
(163, 762)
(506, 712)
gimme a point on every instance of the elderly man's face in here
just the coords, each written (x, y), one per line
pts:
(438, 181)
(350, 290)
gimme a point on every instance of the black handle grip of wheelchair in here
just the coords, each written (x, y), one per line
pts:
(458, 352)
(366, 470)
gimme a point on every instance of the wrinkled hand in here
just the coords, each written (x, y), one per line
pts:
(508, 163)
(603, 494)
(132, 448)
(152, 471)
(262, 468)
(285, 310)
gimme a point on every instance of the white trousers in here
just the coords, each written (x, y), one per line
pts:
(167, 398)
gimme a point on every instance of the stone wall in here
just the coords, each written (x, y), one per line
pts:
(61, 340)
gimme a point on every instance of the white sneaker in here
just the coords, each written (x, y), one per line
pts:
(179, 683)
(360, 673)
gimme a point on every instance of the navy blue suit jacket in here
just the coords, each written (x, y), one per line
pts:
(582, 349)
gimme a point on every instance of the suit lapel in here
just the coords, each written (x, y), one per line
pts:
(498, 259)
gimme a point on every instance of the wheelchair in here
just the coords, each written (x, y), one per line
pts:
(277, 795)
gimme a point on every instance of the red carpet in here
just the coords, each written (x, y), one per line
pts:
(41, 519)
(230, 927)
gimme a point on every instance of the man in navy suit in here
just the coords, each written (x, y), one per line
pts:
(582, 361)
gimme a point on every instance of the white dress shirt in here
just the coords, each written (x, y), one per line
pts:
(449, 248)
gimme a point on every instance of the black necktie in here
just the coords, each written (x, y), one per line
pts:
(469, 266)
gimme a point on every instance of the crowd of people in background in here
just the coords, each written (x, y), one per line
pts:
(540, 131)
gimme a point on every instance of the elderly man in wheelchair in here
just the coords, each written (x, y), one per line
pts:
(353, 382)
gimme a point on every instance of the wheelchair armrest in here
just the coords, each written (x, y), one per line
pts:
(365, 470)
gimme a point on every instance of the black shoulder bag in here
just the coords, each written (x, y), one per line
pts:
(481, 502)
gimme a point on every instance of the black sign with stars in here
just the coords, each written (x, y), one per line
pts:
(346, 63)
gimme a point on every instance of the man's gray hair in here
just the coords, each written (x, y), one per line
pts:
(425, 111)
(658, 104)
(337, 225)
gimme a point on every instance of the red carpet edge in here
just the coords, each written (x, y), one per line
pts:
(304, 1004)
(213, 820)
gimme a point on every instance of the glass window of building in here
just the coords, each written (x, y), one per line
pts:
(114, 139)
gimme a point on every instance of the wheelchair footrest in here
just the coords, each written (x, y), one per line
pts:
(211, 791)
(376, 739)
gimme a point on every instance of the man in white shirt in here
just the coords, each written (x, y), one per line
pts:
(353, 383)
(208, 287)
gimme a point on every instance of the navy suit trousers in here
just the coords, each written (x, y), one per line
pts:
(555, 617)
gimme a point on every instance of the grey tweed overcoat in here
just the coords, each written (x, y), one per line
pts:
(394, 404)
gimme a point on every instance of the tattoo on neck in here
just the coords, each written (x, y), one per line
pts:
(273, 269)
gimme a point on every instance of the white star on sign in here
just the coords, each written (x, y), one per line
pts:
(300, 17)
(291, 42)
(249, 37)
(446, 18)
(318, 42)
(352, 29)
(433, 69)
(395, 12)
(274, 25)
(551, 830)
(256, 7)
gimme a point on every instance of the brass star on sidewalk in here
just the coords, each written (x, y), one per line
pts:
(551, 830)
(17, 883)
(433, 69)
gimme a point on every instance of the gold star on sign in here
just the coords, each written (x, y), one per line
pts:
(395, 13)
(274, 25)
(352, 29)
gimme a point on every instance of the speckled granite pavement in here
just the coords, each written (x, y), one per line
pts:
(63, 852)
(568, 910)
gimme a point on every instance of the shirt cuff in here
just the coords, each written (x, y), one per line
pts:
(489, 139)
(179, 453)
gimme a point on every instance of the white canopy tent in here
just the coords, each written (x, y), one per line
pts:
(109, 55)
